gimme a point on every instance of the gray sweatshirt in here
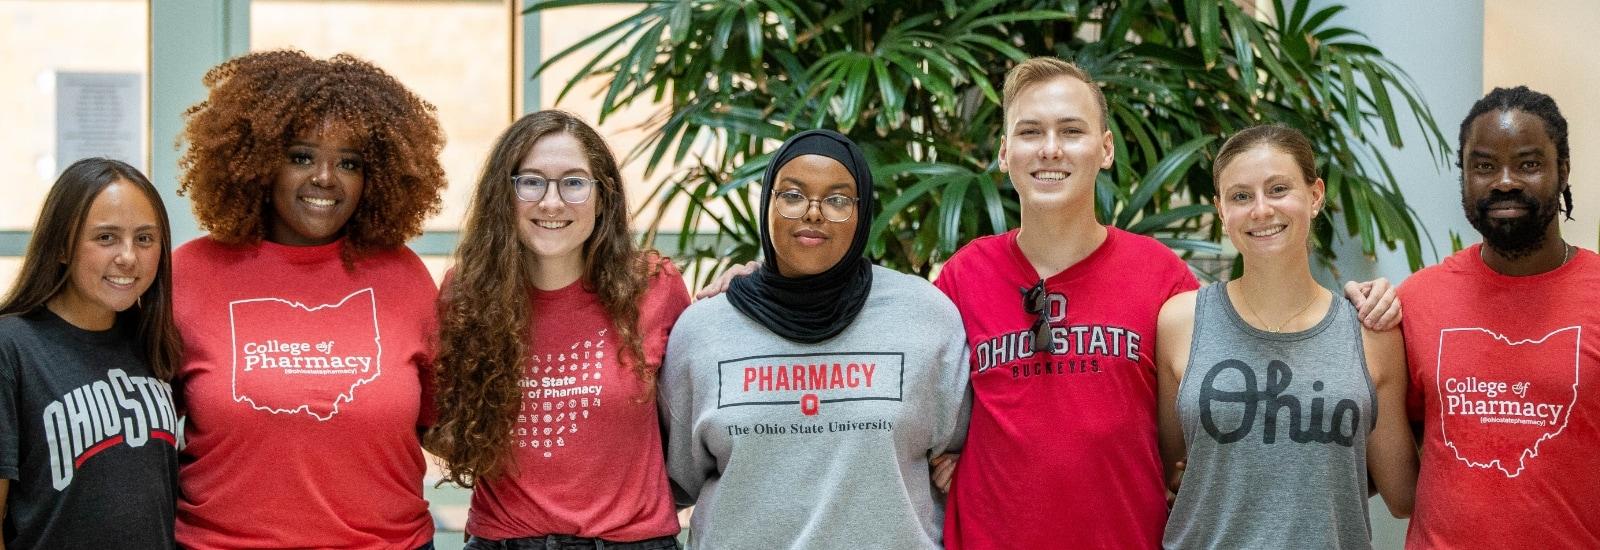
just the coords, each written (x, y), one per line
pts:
(787, 445)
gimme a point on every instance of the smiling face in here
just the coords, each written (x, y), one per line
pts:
(1265, 203)
(317, 188)
(1511, 181)
(553, 230)
(811, 244)
(115, 259)
(1054, 144)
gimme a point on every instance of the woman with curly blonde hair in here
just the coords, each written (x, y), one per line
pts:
(306, 321)
(552, 328)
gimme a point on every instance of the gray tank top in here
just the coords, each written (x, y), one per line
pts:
(1276, 426)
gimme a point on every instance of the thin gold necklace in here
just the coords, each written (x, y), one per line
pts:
(1285, 322)
(1567, 257)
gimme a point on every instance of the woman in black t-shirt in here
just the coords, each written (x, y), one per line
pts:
(88, 430)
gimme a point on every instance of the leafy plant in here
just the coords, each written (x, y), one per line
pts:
(915, 82)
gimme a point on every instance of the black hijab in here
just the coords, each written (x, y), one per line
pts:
(812, 308)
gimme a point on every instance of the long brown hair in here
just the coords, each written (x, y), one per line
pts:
(484, 308)
(45, 269)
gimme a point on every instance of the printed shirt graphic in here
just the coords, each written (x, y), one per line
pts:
(279, 343)
(304, 388)
(579, 402)
(788, 445)
(87, 436)
(1502, 379)
(1066, 438)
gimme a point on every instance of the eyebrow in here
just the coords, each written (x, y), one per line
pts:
(791, 180)
(1272, 179)
(538, 172)
(1523, 152)
(1058, 120)
(112, 226)
(307, 144)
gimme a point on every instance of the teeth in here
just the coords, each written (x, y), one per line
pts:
(552, 224)
(120, 280)
(1268, 232)
(1050, 175)
(318, 202)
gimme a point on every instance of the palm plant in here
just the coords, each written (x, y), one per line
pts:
(915, 83)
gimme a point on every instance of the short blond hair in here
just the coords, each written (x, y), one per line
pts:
(1042, 69)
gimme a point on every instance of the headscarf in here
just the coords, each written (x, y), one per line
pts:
(812, 308)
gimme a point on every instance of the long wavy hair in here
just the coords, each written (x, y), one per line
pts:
(45, 269)
(484, 307)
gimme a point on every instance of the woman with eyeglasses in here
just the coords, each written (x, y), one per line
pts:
(552, 329)
(1283, 405)
(305, 319)
(803, 404)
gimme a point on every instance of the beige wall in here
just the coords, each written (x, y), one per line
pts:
(1549, 46)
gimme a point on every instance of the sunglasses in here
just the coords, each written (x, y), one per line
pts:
(1035, 301)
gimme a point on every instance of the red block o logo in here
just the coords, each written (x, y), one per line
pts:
(809, 404)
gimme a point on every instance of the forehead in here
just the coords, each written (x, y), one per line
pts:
(558, 152)
(1505, 131)
(815, 173)
(121, 203)
(327, 133)
(1052, 99)
(1260, 164)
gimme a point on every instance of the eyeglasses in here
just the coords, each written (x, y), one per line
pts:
(835, 208)
(1035, 301)
(571, 189)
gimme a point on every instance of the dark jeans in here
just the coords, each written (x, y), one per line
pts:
(569, 542)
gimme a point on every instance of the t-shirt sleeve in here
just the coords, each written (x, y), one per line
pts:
(427, 412)
(1414, 397)
(10, 420)
(688, 463)
(668, 297)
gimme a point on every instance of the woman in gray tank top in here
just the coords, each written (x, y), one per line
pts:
(1276, 405)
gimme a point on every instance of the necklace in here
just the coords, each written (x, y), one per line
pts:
(1285, 322)
(1565, 257)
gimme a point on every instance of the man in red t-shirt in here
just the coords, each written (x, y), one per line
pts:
(1060, 315)
(1503, 341)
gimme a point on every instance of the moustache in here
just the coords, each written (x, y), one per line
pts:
(1497, 197)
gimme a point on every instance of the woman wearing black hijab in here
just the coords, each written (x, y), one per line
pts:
(803, 405)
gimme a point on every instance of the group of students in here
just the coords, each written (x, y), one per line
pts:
(1062, 385)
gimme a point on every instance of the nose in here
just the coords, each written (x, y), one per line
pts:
(125, 255)
(1053, 146)
(324, 175)
(1505, 182)
(551, 201)
(1259, 209)
(813, 211)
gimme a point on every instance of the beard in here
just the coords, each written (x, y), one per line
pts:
(1513, 238)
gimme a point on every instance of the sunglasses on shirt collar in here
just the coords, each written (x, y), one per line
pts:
(1035, 301)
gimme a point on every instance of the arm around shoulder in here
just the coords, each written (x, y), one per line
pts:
(1391, 451)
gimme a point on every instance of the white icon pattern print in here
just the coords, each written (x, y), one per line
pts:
(561, 391)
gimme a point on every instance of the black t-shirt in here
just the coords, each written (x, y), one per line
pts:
(87, 438)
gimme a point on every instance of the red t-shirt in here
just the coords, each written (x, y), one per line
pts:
(303, 384)
(587, 443)
(1061, 451)
(1503, 374)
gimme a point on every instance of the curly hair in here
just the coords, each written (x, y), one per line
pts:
(484, 312)
(259, 102)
